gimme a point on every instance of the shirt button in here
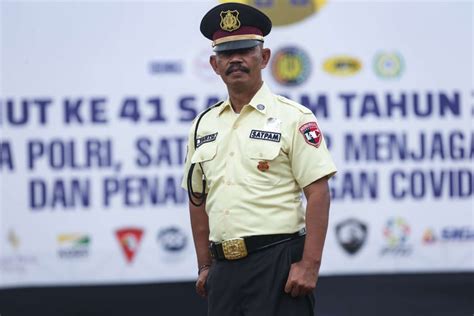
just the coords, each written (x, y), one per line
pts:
(227, 212)
(229, 182)
(231, 154)
(236, 126)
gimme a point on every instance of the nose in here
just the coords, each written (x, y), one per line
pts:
(235, 57)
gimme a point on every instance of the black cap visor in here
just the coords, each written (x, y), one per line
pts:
(233, 45)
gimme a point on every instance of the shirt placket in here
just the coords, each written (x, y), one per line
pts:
(231, 156)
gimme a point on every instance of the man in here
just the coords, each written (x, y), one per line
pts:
(249, 159)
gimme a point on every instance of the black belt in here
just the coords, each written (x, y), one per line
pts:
(238, 248)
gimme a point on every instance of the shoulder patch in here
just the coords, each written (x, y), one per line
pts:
(294, 104)
(311, 133)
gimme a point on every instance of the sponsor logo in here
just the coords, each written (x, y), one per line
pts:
(165, 67)
(265, 135)
(129, 240)
(342, 66)
(172, 239)
(448, 234)
(458, 234)
(16, 262)
(291, 66)
(312, 134)
(205, 139)
(285, 12)
(396, 233)
(388, 65)
(429, 237)
(351, 235)
(172, 242)
(73, 246)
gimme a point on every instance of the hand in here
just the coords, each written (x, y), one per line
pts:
(301, 279)
(201, 283)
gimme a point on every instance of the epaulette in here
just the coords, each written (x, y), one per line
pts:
(217, 104)
(201, 114)
(296, 105)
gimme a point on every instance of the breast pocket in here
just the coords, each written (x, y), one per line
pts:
(263, 159)
(205, 155)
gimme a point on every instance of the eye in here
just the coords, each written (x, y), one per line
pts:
(247, 50)
(241, 51)
(226, 53)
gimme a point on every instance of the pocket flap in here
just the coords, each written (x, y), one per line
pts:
(204, 153)
(263, 150)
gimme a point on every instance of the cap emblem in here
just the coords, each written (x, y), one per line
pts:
(230, 20)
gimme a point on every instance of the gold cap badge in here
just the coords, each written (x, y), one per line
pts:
(230, 20)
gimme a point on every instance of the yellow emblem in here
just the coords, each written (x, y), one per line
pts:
(230, 20)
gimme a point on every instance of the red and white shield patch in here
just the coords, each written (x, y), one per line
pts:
(311, 133)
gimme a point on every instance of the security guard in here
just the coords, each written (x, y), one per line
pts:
(249, 159)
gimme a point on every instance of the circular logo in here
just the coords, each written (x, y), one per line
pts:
(396, 231)
(388, 65)
(351, 235)
(172, 239)
(285, 12)
(291, 66)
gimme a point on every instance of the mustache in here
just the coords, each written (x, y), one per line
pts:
(236, 67)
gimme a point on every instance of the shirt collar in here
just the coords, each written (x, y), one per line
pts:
(259, 102)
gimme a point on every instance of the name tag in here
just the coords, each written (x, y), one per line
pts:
(265, 135)
(206, 139)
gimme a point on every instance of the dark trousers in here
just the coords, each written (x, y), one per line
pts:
(254, 286)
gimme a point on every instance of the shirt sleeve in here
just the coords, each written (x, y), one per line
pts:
(310, 157)
(197, 172)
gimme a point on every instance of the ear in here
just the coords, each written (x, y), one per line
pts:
(266, 54)
(213, 62)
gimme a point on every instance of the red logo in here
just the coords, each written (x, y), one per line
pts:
(129, 239)
(263, 166)
(311, 133)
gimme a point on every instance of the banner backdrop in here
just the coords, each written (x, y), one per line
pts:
(96, 100)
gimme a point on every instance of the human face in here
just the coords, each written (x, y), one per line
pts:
(241, 67)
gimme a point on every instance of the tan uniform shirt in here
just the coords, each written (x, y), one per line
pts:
(256, 164)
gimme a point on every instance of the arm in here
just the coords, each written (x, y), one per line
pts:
(200, 228)
(304, 274)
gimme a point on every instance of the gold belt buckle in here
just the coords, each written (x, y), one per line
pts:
(234, 248)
